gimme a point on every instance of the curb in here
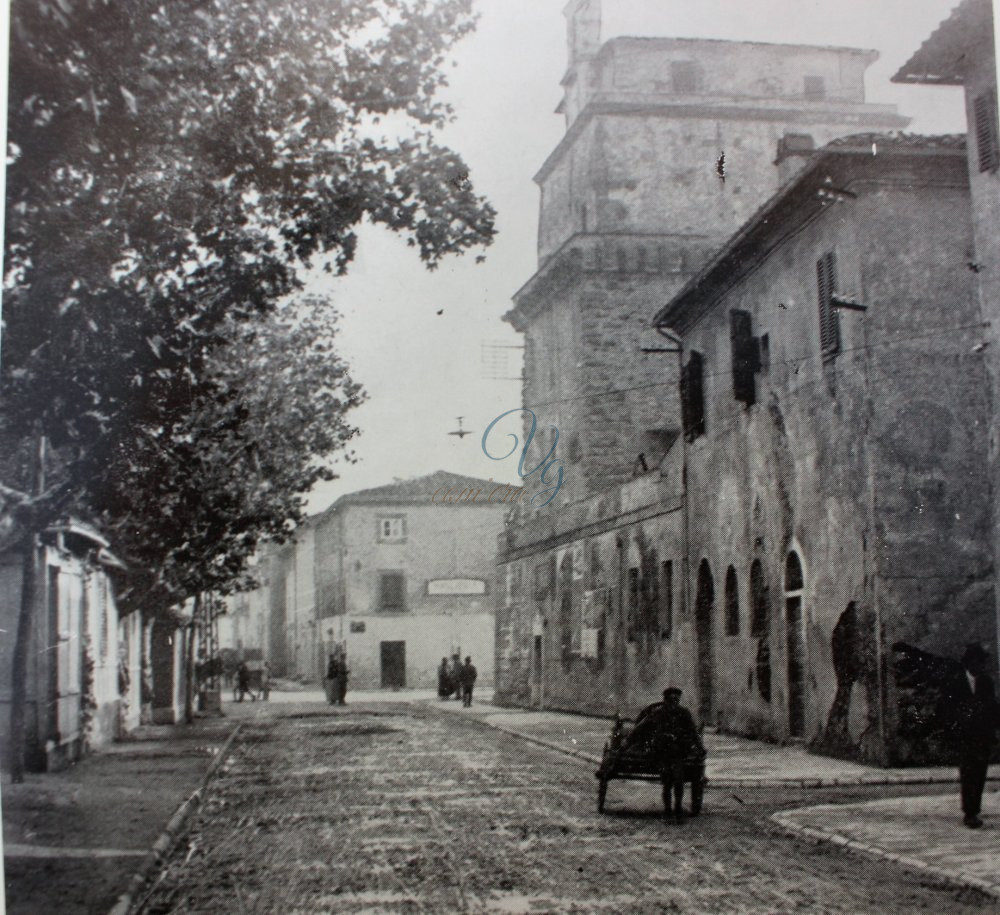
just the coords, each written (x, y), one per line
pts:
(738, 782)
(168, 838)
(783, 820)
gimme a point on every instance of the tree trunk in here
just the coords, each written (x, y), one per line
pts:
(189, 662)
(22, 644)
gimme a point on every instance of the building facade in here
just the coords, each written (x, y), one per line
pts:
(836, 413)
(961, 52)
(403, 576)
(760, 504)
(670, 146)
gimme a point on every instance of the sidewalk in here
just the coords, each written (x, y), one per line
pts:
(73, 840)
(732, 761)
(924, 833)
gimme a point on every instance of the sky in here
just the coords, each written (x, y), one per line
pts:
(422, 369)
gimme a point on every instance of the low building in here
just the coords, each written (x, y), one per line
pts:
(402, 578)
(836, 414)
(74, 653)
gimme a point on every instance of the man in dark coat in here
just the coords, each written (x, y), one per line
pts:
(975, 726)
(674, 737)
(467, 677)
(444, 680)
(456, 675)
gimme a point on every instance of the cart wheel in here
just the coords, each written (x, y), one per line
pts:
(697, 795)
(602, 793)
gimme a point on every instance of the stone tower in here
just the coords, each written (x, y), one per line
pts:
(670, 145)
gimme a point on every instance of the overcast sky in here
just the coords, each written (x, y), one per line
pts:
(422, 370)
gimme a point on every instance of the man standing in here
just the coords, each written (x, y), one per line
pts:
(975, 727)
(467, 678)
(456, 675)
(675, 737)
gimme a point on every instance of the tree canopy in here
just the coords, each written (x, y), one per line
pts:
(172, 166)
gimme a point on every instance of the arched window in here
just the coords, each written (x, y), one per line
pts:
(793, 573)
(732, 603)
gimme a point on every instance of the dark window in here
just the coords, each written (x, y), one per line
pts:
(984, 112)
(633, 601)
(765, 353)
(732, 603)
(826, 286)
(666, 599)
(392, 592)
(746, 356)
(683, 76)
(814, 88)
(541, 580)
(692, 398)
(793, 573)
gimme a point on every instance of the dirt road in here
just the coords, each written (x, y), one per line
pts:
(405, 809)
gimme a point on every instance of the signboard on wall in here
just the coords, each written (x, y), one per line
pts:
(456, 586)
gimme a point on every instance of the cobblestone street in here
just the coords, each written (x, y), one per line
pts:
(397, 807)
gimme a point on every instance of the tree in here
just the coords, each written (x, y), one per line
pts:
(171, 166)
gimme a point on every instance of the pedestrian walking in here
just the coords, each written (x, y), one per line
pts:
(243, 683)
(976, 720)
(674, 737)
(342, 683)
(265, 682)
(467, 680)
(444, 680)
(456, 675)
(332, 681)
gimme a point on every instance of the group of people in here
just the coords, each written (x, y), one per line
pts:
(457, 679)
(242, 687)
(336, 681)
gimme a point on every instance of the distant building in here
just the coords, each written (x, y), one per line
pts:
(396, 576)
(402, 577)
(836, 409)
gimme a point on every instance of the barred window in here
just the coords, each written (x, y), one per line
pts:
(984, 112)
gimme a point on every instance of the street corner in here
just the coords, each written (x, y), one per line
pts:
(923, 833)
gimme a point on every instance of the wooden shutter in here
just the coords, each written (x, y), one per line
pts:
(826, 285)
(984, 112)
(692, 398)
(745, 356)
(393, 592)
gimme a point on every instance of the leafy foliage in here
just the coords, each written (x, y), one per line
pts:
(171, 167)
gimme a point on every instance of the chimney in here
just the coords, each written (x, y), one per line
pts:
(794, 151)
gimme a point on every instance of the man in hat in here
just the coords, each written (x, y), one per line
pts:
(975, 727)
(675, 737)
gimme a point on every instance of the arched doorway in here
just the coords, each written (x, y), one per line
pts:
(795, 646)
(704, 609)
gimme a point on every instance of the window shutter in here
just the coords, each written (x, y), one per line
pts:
(829, 323)
(984, 112)
(692, 398)
(745, 356)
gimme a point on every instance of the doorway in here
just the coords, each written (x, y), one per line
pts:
(393, 665)
(795, 646)
(704, 611)
(536, 672)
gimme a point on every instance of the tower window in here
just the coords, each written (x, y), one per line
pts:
(683, 76)
(814, 88)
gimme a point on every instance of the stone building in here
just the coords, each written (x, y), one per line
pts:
(835, 406)
(961, 52)
(402, 578)
(670, 146)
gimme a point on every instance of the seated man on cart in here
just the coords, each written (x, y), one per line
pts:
(669, 731)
